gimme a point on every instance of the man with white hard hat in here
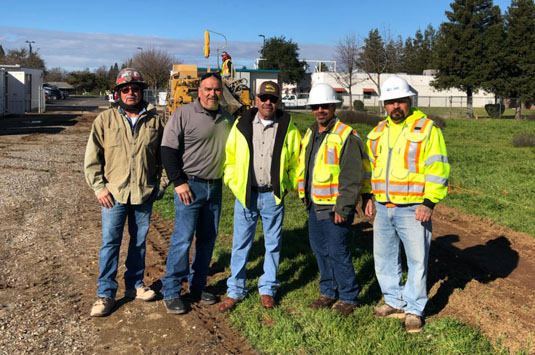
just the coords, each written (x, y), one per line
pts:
(329, 179)
(406, 170)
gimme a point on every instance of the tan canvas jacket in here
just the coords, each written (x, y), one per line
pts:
(129, 165)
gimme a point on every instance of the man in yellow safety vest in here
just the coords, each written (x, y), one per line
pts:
(406, 169)
(329, 179)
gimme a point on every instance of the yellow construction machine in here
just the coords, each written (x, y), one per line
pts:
(184, 88)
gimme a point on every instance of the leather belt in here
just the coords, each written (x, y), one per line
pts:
(204, 181)
(266, 188)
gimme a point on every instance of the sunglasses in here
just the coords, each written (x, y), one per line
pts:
(126, 89)
(323, 106)
(272, 99)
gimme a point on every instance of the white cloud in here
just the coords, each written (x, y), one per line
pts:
(76, 51)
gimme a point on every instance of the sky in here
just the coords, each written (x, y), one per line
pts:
(75, 35)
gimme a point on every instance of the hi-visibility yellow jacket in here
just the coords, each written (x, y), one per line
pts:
(326, 171)
(227, 69)
(406, 163)
(238, 155)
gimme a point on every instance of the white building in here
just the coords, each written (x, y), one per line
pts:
(23, 89)
(364, 89)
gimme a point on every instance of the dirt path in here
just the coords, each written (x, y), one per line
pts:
(480, 273)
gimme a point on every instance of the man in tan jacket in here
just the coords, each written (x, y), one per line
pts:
(124, 168)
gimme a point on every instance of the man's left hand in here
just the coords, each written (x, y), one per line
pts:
(423, 213)
(339, 219)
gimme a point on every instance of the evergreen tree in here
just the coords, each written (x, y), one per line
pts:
(418, 52)
(520, 51)
(282, 54)
(462, 47)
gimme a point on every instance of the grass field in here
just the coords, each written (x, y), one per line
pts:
(489, 177)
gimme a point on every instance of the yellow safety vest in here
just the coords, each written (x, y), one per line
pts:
(413, 167)
(326, 169)
(225, 68)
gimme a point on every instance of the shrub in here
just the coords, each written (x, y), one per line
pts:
(358, 105)
(495, 110)
(524, 139)
(439, 121)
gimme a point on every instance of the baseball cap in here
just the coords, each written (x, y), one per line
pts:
(269, 88)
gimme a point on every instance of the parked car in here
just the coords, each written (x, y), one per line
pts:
(293, 100)
(53, 93)
(65, 93)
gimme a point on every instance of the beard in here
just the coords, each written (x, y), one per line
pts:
(397, 115)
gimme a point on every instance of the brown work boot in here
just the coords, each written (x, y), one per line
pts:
(413, 323)
(322, 302)
(227, 304)
(267, 301)
(344, 308)
(388, 311)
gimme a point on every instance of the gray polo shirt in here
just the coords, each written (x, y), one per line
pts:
(263, 140)
(199, 138)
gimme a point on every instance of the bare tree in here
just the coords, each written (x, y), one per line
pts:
(155, 65)
(347, 55)
(56, 74)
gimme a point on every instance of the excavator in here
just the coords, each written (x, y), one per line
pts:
(184, 87)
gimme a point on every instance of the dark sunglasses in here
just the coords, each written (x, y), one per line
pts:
(272, 99)
(126, 89)
(323, 106)
(211, 74)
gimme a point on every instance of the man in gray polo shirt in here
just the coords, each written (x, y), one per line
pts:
(262, 155)
(193, 147)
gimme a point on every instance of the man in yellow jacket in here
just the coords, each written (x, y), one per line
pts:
(406, 169)
(260, 168)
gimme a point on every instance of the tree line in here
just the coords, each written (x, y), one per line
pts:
(478, 48)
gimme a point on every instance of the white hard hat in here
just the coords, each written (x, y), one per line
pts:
(395, 87)
(322, 94)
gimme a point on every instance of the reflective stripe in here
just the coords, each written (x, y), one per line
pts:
(381, 126)
(325, 192)
(410, 187)
(436, 179)
(436, 158)
(412, 150)
(366, 156)
(331, 156)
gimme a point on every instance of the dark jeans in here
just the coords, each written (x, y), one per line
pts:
(200, 218)
(329, 242)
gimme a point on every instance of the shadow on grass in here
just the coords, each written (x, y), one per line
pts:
(455, 267)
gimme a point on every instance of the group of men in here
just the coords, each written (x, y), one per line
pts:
(132, 155)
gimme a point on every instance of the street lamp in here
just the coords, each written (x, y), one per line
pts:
(217, 50)
(30, 45)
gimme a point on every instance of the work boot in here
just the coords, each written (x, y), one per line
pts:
(102, 307)
(388, 311)
(267, 301)
(175, 306)
(413, 323)
(322, 302)
(203, 296)
(344, 308)
(227, 304)
(142, 293)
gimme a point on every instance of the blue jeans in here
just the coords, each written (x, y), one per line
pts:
(200, 218)
(392, 226)
(262, 205)
(113, 221)
(329, 242)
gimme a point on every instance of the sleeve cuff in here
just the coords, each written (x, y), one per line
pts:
(429, 204)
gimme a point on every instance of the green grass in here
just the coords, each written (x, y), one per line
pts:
(484, 165)
(460, 112)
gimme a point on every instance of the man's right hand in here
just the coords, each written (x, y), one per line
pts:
(184, 194)
(367, 206)
(105, 199)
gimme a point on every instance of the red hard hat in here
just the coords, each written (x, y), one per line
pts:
(129, 76)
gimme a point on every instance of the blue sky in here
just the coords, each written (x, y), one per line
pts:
(77, 35)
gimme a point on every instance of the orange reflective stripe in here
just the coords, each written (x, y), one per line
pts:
(417, 158)
(406, 183)
(335, 156)
(406, 156)
(408, 193)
